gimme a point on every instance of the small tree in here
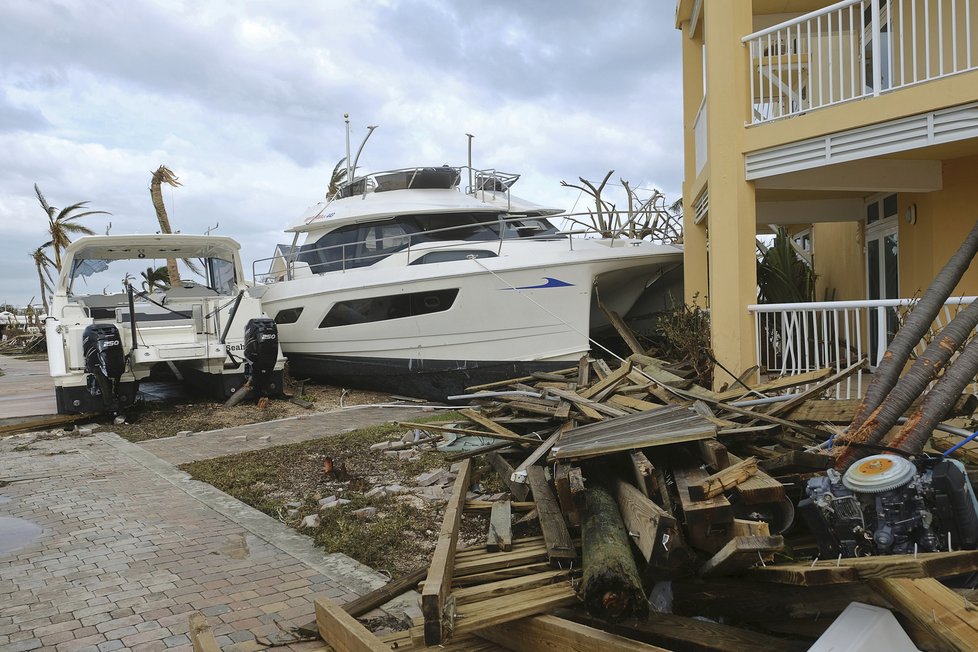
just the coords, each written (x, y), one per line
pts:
(43, 264)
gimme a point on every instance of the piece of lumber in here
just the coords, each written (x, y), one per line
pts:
(45, 423)
(609, 381)
(344, 632)
(499, 574)
(505, 471)
(626, 333)
(583, 403)
(553, 633)
(509, 586)
(563, 410)
(724, 480)
(510, 381)
(708, 522)
(834, 571)
(486, 505)
(499, 431)
(611, 587)
(746, 528)
(741, 553)
(500, 535)
(816, 390)
(645, 521)
(438, 582)
(784, 382)
(499, 611)
(560, 545)
(519, 473)
(601, 368)
(797, 460)
(644, 472)
(704, 410)
(683, 633)
(759, 488)
(714, 454)
(568, 504)
(201, 634)
(620, 400)
(583, 371)
(935, 608)
(475, 452)
(386, 593)
(760, 416)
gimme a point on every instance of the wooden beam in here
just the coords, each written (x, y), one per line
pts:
(505, 471)
(938, 610)
(741, 553)
(587, 404)
(438, 583)
(607, 382)
(568, 503)
(484, 614)
(201, 634)
(553, 633)
(714, 454)
(644, 520)
(500, 431)
(560, 546)
(724, 480)
(759, 488)
(816, 389)
(344, 632)
(500, 527)
(509, 586)
(644, 472)
(709, 523)
(510, 381)
(386, 593)
(784, 382)
(519, 474)
(834, 571)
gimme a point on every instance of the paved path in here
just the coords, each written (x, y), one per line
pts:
(217, 443)
(26, 388)
(125, 546)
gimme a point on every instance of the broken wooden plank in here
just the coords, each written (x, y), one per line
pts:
(724, 480)
(619, 325)
(644, 474)
(510, 381)
(759, 488)
(746, 528)
(502, 432)
(386, 593)
(708, 522)
(740, 553)
(439, 580)
(608, 382)
(553, 633)
(477, 616)
(583, 371)
(797, 460)
(560, 546)
(816, 389)
(587, 404)
(784, 382)
(835, 571)
(714, 454)
(505, 471)
(344, 632)
(499, 574)
(645, 521)
(620, 400)
(568, 504)
(938, 610)
(500, 527)
(201, 634)
(509, 586)
(519, 473)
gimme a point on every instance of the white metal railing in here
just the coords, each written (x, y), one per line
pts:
(854, 49)
(793, 338)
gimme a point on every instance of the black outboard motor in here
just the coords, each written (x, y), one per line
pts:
(105, 361)
(261, 352)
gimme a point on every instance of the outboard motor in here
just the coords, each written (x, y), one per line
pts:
(261, 352)
(885, 504)
(105, 361)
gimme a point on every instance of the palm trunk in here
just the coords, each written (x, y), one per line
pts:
(44, 297)
(157, 196)
(912, 384)
(920, 425)
(920, 319)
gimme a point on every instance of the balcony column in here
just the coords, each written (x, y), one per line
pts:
(695, 276)
(732, 222)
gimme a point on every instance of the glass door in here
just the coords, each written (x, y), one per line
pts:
(882, 272)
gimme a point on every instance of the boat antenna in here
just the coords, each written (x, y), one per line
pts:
(471, 189)
(370, 130)
(349, 174)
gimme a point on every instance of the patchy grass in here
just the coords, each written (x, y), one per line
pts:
(288, 481)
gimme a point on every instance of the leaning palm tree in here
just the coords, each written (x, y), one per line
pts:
(43, 264)
(165, 175)
(155, 278)
(337, 179)
(63, 223)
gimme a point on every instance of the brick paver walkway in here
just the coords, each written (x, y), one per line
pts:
(217, 443)
(129, 546)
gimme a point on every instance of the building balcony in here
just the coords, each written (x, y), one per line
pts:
(857, 49)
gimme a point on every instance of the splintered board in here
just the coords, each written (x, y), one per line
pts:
(666, 425)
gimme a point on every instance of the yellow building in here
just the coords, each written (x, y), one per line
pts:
(855, 125)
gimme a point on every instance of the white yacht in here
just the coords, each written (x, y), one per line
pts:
(108, 330)
(403, 282)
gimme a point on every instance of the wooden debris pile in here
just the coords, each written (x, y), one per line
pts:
(651, 490)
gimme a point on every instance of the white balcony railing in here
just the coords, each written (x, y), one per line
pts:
(857, 48)
(793, 338)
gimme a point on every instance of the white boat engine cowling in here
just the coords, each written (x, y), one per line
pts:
(886, 504)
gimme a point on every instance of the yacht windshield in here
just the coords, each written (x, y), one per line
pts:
(100, 276)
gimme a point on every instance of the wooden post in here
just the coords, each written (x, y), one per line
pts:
(500, 527)
(644, 520)
(560, 546)
(438, 584)
(201, 634)
(344, 632)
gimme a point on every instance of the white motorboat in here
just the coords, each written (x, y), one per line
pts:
(403, 282)
(105, 334)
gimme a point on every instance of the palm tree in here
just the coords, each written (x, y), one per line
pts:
(62, 224)
(43, 264)
(155, 278)
(336, 179)
(165, 175)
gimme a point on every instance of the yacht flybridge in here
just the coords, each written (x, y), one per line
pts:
(115, 320)
(405, 283)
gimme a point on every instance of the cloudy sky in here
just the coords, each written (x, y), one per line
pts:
(244, 101)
